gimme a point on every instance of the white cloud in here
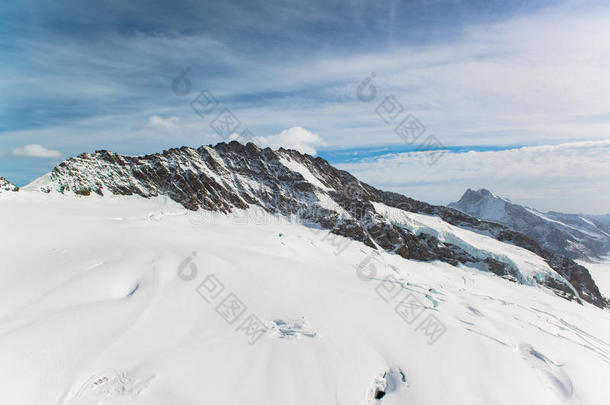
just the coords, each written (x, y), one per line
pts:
(293, 138)
(570, 177)
(35, 151)
(159, 124)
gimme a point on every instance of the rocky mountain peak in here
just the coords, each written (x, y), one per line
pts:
(571, 235)
(6, 185)
(231, 176)
(482, 192)
(471, 196)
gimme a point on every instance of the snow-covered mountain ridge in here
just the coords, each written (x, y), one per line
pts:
(6, 185)
(229, 177)
(572, 235)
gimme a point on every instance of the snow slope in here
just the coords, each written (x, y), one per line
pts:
(102, 302)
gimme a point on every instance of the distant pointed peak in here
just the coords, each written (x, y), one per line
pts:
(485, 191)
(471, 194)
(481, 191)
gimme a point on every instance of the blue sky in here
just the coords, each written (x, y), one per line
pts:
(481, 76)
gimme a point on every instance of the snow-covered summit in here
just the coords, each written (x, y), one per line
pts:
(230, 177)
(483, 204)
(573, 235)
(6, 185)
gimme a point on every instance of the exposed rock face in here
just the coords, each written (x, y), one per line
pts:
(6, 185)
(571, 235)
(233, 176)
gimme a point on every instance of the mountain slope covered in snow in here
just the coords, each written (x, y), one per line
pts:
(228, 177)
(571, 235)
(131, 300)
